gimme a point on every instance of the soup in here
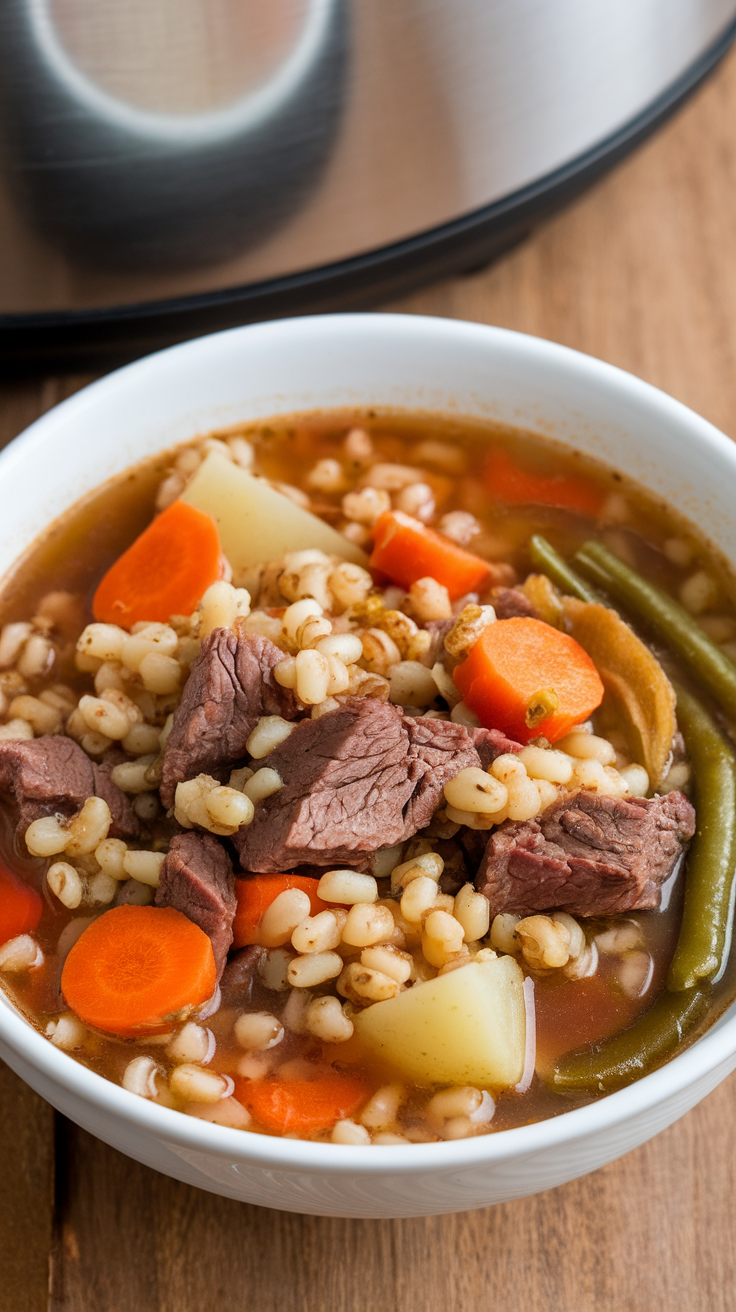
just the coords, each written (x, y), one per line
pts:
(342, 802)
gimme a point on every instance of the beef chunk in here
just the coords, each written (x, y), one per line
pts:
(438, 750)
(52, 775)
(239, 975)
(231, 685)
(490, 743)
(197, 878)
(359, 778)
(346, 784)
(511, 604)
(589, 855)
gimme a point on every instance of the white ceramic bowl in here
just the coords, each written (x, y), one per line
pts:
(358, 360)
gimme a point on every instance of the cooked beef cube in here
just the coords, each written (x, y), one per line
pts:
(346, 784)
(231, 685)
(588, 854)
(197, 878)
(490, 743)
(51, 775)
(361, 777)
(239, 975)
(438, 750)
(511, 604)
(43, 776)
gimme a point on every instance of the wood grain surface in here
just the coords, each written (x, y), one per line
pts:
(641, 272)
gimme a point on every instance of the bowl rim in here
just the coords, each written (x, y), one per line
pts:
(715, 1049)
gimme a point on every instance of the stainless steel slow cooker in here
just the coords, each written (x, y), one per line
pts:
(171, 166)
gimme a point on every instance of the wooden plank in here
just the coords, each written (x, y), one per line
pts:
(656, 1229)
(26, 1196)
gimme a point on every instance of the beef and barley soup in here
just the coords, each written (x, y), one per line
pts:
(368, 778)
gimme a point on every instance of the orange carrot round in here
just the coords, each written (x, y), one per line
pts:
(137, 970)
(254, 896)
(301, 1106)
(406, 550)
(165, 572)
(20, 906)
(506, 481)
(529, 679)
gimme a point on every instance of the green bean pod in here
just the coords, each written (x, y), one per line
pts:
(711, 862)
(666, 618)
(550, 563)
(627, 1056)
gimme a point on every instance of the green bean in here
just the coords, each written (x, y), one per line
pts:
(666, 618)
(634, 1052)
(705, 928)
(550, 563)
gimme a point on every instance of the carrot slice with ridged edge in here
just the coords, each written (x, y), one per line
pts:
(20, 906)
(294, 1106)
(138, 970)
(529, 679)
(165, 572)
(406, 550)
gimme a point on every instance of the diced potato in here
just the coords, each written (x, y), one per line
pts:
(255, 522)
(466, 1027)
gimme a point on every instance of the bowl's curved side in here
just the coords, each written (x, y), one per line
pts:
(392, 1189)
(392, 362)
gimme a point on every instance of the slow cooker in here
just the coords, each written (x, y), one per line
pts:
(168, 167)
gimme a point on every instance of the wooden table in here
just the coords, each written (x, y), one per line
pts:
(641, 272)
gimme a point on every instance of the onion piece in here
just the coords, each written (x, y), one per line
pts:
(530, 1048)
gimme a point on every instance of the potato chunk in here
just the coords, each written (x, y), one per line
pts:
(466, 1027)
(256, 522)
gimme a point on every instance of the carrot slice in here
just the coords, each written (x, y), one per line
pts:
(528, 679)
(284, 1106)
(137, 970)
(256, 893)
(406, 550)
(165, 572)
(507, 482)
(20, 906)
